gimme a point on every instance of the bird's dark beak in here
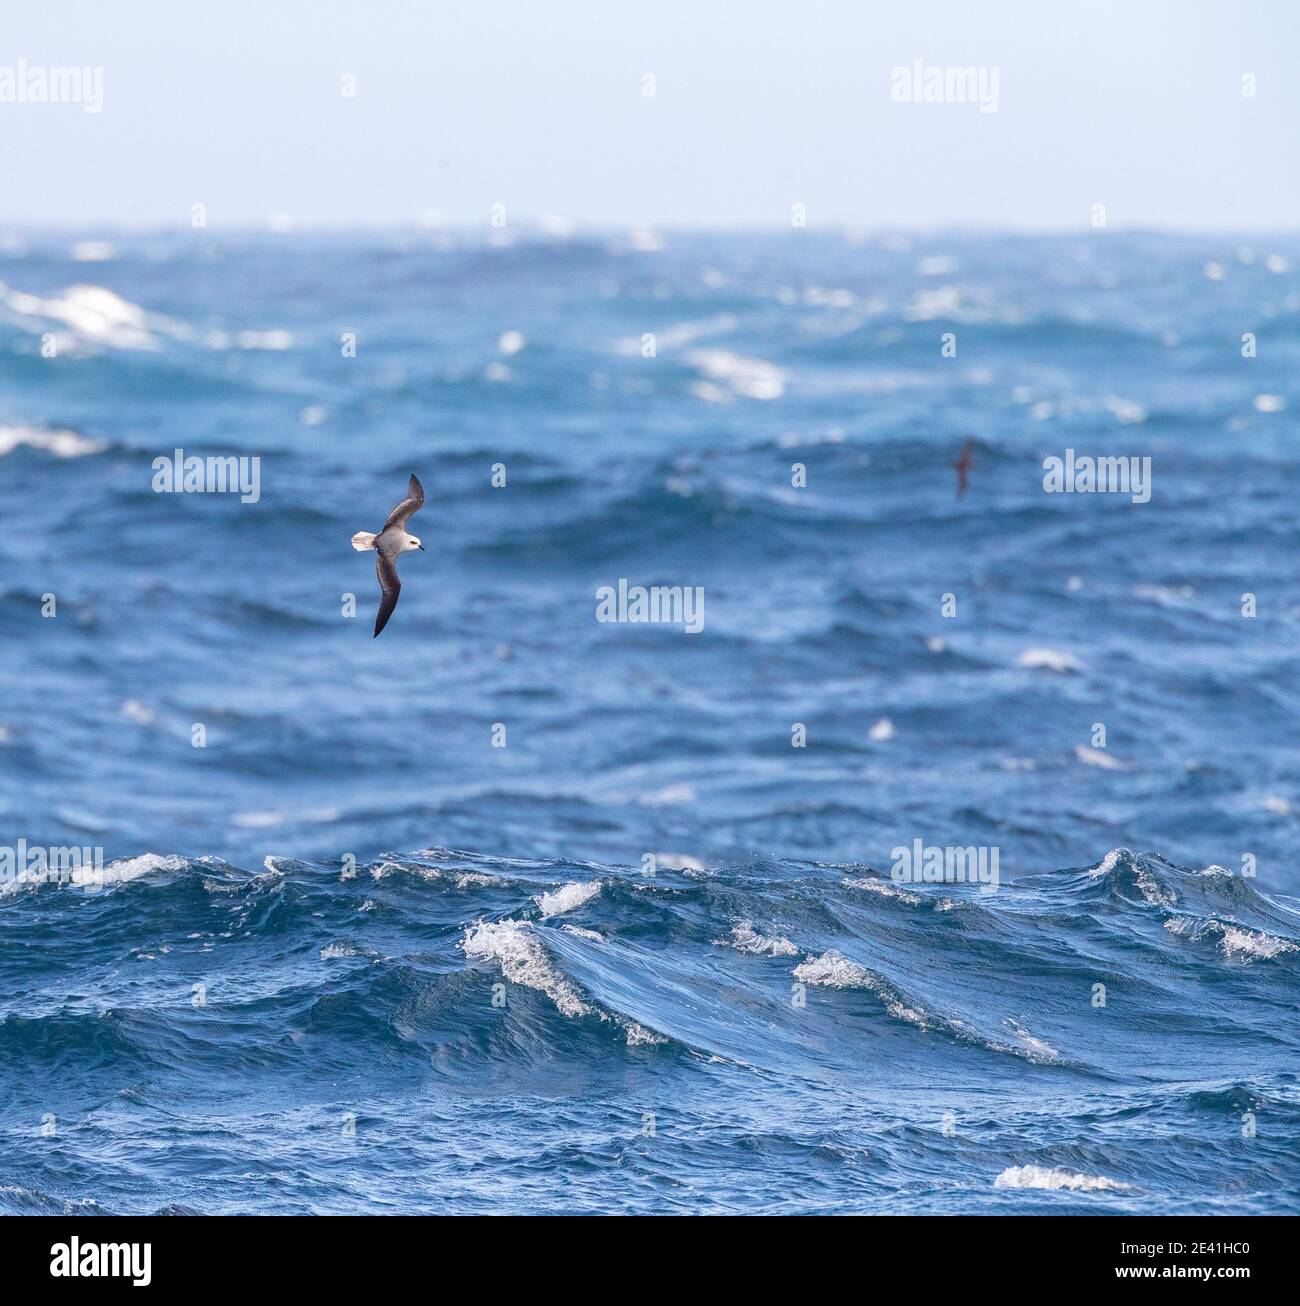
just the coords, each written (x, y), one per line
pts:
(421, 548)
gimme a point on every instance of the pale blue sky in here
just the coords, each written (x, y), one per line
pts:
(538, 104)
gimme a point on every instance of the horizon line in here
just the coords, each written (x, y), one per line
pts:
(565, 229)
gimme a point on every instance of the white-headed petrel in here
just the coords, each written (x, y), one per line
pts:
(388, 544)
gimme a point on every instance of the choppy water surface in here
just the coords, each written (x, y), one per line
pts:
(287, 996)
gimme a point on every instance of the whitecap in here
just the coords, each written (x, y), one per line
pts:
(1049, 659)
(755, 378)
(98, 316)
(134, 710)
(669, 794)
(885, 889)
(678, 862)
(60, 443)
(1149, 887)
(681, 333)
(639, 1036)
(267, 820)
(1235, 941)
(474, 880)
(831, 970)
(1036, 1048)
(745, 938)
(566, 898)
(583, 934)
(524, 960)
(1108, 863)
(93, 878)
(1035, 1176)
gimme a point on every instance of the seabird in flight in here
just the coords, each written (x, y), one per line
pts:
(963, 465)
(388, 544)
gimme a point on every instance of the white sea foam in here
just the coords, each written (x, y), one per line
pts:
(885, 889)
(268, 820)
(745, 938)
(1167, 596)
(523, 959)
(1049, 659)
(336, 950)
(1235, 941)
(61, 443)
(1035, 1048)
(1108, 863)
(132, 868)
(516, 947)
(755, 378)
(583, 934)
(681, 333)
(831, 970)
(639, 1036)
(1241, 942)
(1125, 411)
(567, 898)
(668, 795)
(1148, 886)
(679, 862)
(1036, 1176)
(1098, 757)
(97, 316)
(94, 878)
(710, 393)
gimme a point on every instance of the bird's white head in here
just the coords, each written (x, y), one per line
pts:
(411, 542)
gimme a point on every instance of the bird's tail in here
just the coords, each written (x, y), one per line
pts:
(362, 541)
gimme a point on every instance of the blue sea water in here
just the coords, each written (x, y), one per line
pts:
(353, 955)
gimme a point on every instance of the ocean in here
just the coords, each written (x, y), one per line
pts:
(522, 909)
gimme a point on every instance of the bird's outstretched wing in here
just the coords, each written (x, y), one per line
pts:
(386, 568)
(413, 502)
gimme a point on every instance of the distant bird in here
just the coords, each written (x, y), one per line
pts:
(963, 465)
(389, 543)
